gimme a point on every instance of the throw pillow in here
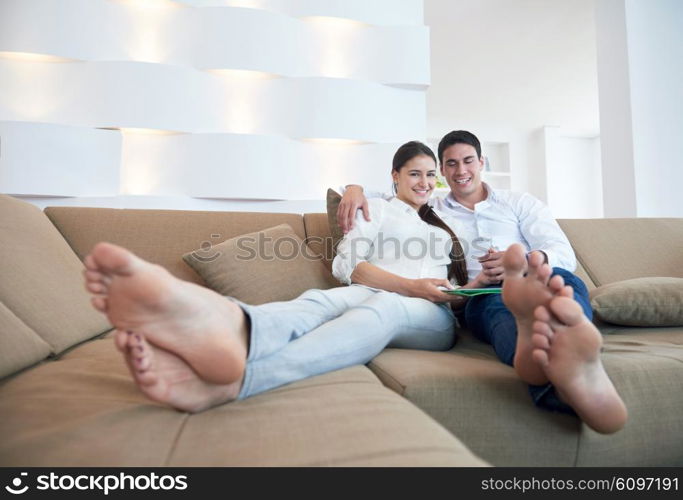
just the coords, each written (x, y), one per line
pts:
(640, 302)
(333, 199)
(265, 266)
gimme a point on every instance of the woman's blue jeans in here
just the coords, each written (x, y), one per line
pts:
(490, 321)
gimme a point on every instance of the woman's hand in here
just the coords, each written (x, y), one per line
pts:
(427, 288)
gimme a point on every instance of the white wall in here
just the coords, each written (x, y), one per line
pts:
(504, 69)
(201, 99)
(655, 44)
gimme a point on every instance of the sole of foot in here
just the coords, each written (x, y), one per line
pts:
(567, 347)
(168, 379)
(200, 326)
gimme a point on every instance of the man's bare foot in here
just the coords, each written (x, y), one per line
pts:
(521, 295)
(166, 378)
(202, 327)
(567, 346)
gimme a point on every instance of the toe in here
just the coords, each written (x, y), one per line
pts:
(543, 273)
(94, 287)
(535, 263)
(566, 291)
(542, 314)
(567, 310)
(99, 303)
(121, 340)
(542, 328)
(541, 357)
(540, 341)
(556, 284)
(113, 258)
(514, 261)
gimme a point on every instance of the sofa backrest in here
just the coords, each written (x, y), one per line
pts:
(161, 236)
(612, 250)
(44, 307)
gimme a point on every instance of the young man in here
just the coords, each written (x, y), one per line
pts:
(522, 323)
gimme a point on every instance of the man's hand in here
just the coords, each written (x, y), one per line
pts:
(352, 200)
(427, 288)
(491, 268)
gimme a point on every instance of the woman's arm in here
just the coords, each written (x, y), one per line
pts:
(426, 288)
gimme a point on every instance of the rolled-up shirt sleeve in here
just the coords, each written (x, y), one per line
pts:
(358, 244)
(542, 232)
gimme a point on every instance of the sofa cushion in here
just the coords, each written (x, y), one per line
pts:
(19, 345)
(613, 250)
(84, 410)
(485, 404)
(42, 281)
(640, 302)
(265, 266)
(161, 236)
(333, 199)
(319, 237)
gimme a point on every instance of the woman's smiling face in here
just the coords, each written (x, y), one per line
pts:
(415, 180)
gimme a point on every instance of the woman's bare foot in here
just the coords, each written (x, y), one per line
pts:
(522, 294)
(202, 327)
(166, 378)
(567, 347)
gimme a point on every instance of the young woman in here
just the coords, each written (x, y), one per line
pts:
(192, 348)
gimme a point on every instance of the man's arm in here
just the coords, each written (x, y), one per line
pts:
(544, 234)
(353, 199)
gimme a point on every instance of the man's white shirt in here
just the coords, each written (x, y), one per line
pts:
(503, 218)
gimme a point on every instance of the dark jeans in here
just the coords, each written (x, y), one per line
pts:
(491, 322)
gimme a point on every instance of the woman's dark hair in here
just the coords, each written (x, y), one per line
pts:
(409, 151)
(403, 155)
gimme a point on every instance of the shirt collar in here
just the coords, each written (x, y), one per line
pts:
(402, 205)
(491, 196)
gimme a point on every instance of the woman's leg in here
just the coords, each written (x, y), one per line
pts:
(355, 337)
(274, 325)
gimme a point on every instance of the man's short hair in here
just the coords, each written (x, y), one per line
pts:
(459, 137)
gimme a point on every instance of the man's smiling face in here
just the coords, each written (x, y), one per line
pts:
(462, 169)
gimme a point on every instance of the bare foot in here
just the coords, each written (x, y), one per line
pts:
(166, 378)
(522, 295)
(567, 347)
(202, 327)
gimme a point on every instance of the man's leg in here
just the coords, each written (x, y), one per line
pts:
(355, 337)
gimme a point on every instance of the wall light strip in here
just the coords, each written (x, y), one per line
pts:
(32, 57)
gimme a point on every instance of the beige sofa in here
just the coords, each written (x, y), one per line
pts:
(66, 398)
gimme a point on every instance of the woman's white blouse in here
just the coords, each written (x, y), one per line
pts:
(396, 240)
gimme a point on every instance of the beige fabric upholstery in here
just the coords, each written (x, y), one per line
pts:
(266, 266)
(160, 236)
(41, 280)
(84, 410)
(640, 302)
(619, 249)
(319, 238)
(484, 403)
(333, 200)
(19, 345)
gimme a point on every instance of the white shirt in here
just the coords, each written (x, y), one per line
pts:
(504, 218)
(395, 240)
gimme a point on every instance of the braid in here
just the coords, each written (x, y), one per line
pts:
(458, 267)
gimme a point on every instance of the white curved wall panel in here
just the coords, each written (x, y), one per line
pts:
(243, 84)
(156, 96)
(376, 12)
(56, 160)
(252, 166)
(215, 38)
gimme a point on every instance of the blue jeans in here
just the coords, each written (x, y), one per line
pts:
(325, 330)
(491, 322)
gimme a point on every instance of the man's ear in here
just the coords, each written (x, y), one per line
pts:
(441, 170)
